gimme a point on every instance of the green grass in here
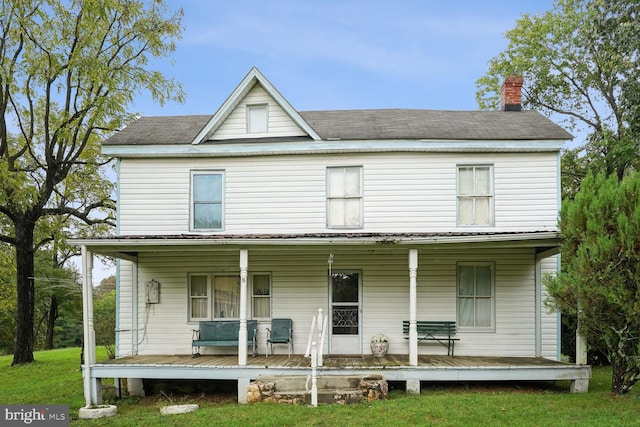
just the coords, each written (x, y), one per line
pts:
(56, 379)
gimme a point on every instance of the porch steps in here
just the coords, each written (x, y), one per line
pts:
(292, 389)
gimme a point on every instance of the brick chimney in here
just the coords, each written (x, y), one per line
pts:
(511, 94)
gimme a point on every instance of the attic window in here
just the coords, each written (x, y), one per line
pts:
(257, 118)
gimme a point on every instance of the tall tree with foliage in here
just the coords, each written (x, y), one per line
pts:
(600, 278)
(105, 320)
(580, 62)
(57, 289)
(7, 297)
(68, 71)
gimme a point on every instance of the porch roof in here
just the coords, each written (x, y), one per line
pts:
(127, 246)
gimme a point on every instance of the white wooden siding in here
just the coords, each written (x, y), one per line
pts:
(550, 317)
(124, 331)
(279, 122)
(300, 287)
(403, 192)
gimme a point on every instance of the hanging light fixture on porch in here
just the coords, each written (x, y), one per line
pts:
(330, 262)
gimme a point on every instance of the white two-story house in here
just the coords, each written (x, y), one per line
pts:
(376, 217)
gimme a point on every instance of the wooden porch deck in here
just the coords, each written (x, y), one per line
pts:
(431, 368)
(336, 362)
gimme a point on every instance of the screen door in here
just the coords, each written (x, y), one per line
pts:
(345, 313)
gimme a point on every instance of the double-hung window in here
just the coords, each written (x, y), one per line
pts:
(475, 195)
(199, 297)
(213, 297)
(344, 197)
(226, 297)
(475, 295)
(261, 303)
(207, 200)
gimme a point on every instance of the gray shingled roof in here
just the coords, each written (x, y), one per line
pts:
(433, 124)
(160, 130)
(401, 124)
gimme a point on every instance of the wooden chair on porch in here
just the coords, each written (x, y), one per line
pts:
(281, 332)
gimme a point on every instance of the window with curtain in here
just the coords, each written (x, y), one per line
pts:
(476, 295)
(475, 195)
(206, 197)
(226, 297)
(261, 295)
(344, 197)
(199, 297)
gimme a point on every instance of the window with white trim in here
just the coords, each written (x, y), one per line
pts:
(261, 295)
(226, 297)
(475, 195)
(257, 118)
(476, 295)
(199, 301)
(344, 197)
(207, 192)
(214, 297)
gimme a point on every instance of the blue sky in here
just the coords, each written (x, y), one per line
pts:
(339, 54)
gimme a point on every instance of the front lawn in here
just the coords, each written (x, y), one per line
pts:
(56, 379)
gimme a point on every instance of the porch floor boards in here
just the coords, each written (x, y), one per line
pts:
(355, 362)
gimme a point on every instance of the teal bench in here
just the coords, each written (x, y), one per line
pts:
(222, 333)
(442, 331)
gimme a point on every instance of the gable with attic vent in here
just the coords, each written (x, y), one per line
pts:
(257, 115)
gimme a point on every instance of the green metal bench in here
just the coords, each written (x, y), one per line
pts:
(442, 331)
(222, 333)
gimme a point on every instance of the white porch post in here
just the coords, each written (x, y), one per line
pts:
(413, 307)
(538, 300)
(580, 385)
(92, 389)
(242, 335)
(538, 306)
(581, 346)
(135, 289)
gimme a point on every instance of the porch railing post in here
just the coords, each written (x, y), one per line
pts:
(318, 332)
(307, 352)
(314, 375)
(323, 337)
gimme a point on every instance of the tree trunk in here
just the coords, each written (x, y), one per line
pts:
(51, 322)
(618, 375)
(25, 287)
(625, 370)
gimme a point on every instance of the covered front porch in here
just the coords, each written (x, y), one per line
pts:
(399, 278)
(393, 367)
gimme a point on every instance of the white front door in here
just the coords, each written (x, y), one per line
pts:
(345, 313)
